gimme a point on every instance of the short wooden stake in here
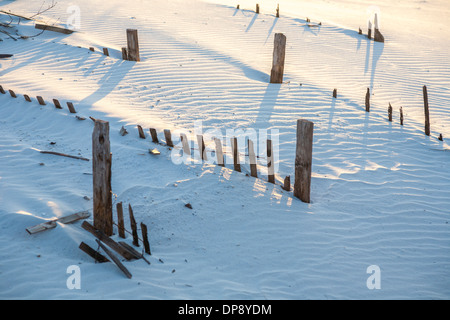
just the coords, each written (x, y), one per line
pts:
(401, 116)
(71, 107)
(390, 112)
(303, 160)
(257, 8)
(106, 52)
(287, 183)
(12, 94)
(41, 101)
(278, 11)
(154, 135)
(133, 226)
(335, 93)
(141, 132)
(27, 98)
(368, 100)
(57, 104)
(270, 163)
(120, 221)
(185, 143)
(201, 147)
(101, 168)
(124, 53)
(219, 153)
(92, 49)
(133, 45)
(145, 239)
(2, 91)
(279, 53)
(359, 31)
(238, 7)
(235, 149)
(369, 31)
(427, 111)
(252, 159)
(168, 137)
(441, 138)
(97, 256)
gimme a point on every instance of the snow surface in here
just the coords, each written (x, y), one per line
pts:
(380, 191)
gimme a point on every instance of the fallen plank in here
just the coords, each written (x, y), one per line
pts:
(154, 152)
(116, 260)
(74, 217)
(15, 15)
(97, 256)
(64, 155)
(42, 227)
(52, 28)
(108, 241)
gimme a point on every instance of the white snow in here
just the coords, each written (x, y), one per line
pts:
(380, 191)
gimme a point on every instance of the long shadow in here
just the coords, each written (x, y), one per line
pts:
(271, 29)
(366, 66)
(268, 104)
(332, 109)
(110, 80)
(378, 48)
(252, 22)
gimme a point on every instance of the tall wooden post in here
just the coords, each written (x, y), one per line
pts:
(101, 168)
(401, 116)
(279, 54)
(234, 147)
(252, 159)
(133, 45)
(368, 100)
(303, 160)
(427, 111)
(270, 163)
(219, 153)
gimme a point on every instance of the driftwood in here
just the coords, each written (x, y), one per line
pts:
(42, 227)
(74, 217)
(64, 155)
(97, 256)
(52, 224)
(53, 28)
(115, 260)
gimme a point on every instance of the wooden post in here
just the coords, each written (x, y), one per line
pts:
(359, 31)
(234, 147)
(335, 93)
(133, 226)
(287, 183)
(145, 239)
(185, 143)
(41, 101)
(141, 132)
(390, 112)
(278, 11)
(120, 221)
(154, 135)
(219, 153)
(57, 104)
(133, 45)
(368, 100)
(201, 147)
(106, 52)
(279, 53)
(369, 31)
(12, 94)
(377, 35)
(270, 163)
(252, 159)
(238, 7)
(124, 53)
(427, 111)
(168, 137)
(101, 168)
(71, 107)
(2, 91)
(92, 49)
(441, 137)
(303, 160)
(257, 8)
(401, 116)
(27, 98)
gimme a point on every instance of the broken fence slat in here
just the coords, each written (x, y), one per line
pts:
(42, 227)
(97, 256)
(71, 107)
(115, 260)
(40, 26)
(64, 155)
(74, 217)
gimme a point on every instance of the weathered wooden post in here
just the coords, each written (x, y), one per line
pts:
(427, 111)
(303, 160)
(377, 35)
(279, 54)
(57, 104)
(2, 91)
(141, 132)
(40, 100)
(133, 226)
(278, 11)
(145, 239)
(287, 183)
(168, 137)
(368, 100)
(201, 147)
(185, 143)
(252, 159)
(257, 8)
(270, 163)
(27, 97)
(133, 45)
(71, 107)
(369, 31)
(390, 112)
(101, 169)
(335, 93)
(12, 94)
(234, 147)
(124, 53)
(154, 135)
(401, 116)
(106, 52)
(120, 221)
(219, 153)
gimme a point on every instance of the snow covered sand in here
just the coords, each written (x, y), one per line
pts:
(380, 192)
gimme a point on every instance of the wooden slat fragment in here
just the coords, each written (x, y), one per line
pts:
(42, 227)
(115, 260)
